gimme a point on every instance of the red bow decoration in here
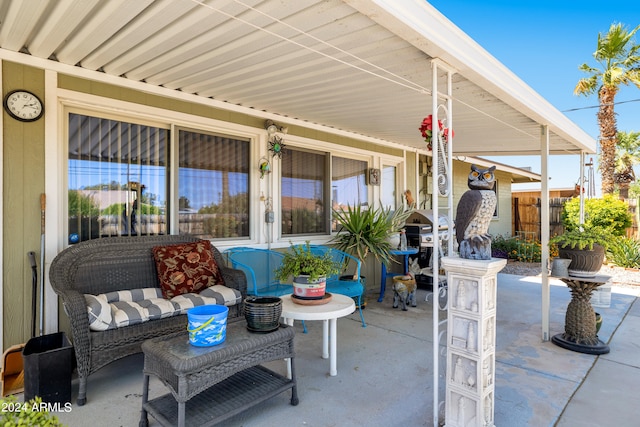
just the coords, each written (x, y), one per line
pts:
(426, 129)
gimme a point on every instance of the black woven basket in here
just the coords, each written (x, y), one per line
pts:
(262, 313)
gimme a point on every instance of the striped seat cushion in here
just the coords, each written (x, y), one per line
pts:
(130, 307)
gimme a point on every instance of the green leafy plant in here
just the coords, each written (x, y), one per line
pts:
(624, 252)
(300, 260)
(582, 237)
(608, 213)
(367, 231)
(504, 246)
(31, 413)
(528, 251)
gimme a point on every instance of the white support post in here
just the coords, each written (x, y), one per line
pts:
(435, 263)
(435, 206)
(544, 230)
(450, 163)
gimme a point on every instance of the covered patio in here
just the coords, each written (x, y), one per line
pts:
(362, 71)
(384, 370)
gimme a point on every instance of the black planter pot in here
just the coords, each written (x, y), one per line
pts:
(262, 313)
(584, 262)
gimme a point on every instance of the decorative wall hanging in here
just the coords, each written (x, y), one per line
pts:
(276, 142)
(374, 176)
(265, 167)
(276, 146)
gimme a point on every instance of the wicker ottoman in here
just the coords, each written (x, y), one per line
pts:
(211, 384)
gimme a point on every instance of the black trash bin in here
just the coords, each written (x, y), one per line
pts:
(48, 365)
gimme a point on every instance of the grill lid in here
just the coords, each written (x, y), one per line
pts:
(425, 217)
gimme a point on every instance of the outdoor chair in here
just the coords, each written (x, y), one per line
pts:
(259, 266)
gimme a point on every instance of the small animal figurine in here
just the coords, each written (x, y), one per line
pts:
(410, 200)
(474, 213)
(414, 268)
(404, 291)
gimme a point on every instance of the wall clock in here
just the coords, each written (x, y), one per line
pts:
(23, 105)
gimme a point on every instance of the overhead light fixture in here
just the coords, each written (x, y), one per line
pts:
(271, 127)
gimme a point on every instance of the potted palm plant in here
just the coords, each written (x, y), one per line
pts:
(364, 232)
(585, 246)
(309, 271)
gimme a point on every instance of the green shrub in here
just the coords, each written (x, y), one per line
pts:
(608, 212)
(504, 247)
(31, 413)
(624, 252)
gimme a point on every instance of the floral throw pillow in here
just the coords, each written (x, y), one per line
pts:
(185, 268)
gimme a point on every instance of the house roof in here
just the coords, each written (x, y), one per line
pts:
(354, 67)
(516, 174)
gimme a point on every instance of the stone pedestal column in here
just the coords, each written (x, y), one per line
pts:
(471, 338)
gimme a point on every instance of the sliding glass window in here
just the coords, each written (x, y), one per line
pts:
(118, 181)
(117, 178)
(348, 184)
(304, 192)
(213, 185)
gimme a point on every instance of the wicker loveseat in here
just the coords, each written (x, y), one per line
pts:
(116, 264)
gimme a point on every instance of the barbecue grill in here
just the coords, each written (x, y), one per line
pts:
(419, 228)
(420, 234)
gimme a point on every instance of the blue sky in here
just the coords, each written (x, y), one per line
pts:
(544, 42)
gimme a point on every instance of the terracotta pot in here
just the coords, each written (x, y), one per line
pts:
(584, 262)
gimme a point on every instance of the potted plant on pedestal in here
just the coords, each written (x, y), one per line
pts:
(585, 246)
(367, 231)
(309, 271)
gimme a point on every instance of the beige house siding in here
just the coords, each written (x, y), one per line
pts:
(23, 179)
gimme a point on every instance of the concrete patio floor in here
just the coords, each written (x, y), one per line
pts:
(385, 373)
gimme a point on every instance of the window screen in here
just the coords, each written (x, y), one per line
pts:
(304, 198)
(213, 181)
(117, 178)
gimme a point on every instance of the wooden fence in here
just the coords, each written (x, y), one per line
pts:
(526, 215)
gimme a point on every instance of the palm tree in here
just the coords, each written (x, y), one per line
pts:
(627, 156)
(619, 60)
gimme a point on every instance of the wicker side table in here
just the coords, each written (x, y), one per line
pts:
(211, 384)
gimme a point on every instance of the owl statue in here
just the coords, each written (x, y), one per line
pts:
(474, 213)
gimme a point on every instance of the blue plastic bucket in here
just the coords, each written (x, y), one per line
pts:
(207, 325)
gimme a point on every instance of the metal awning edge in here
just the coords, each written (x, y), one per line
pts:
(426, 28)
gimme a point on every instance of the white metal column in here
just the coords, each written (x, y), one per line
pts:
(436, 263)
(544, 229)
(437, 185)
